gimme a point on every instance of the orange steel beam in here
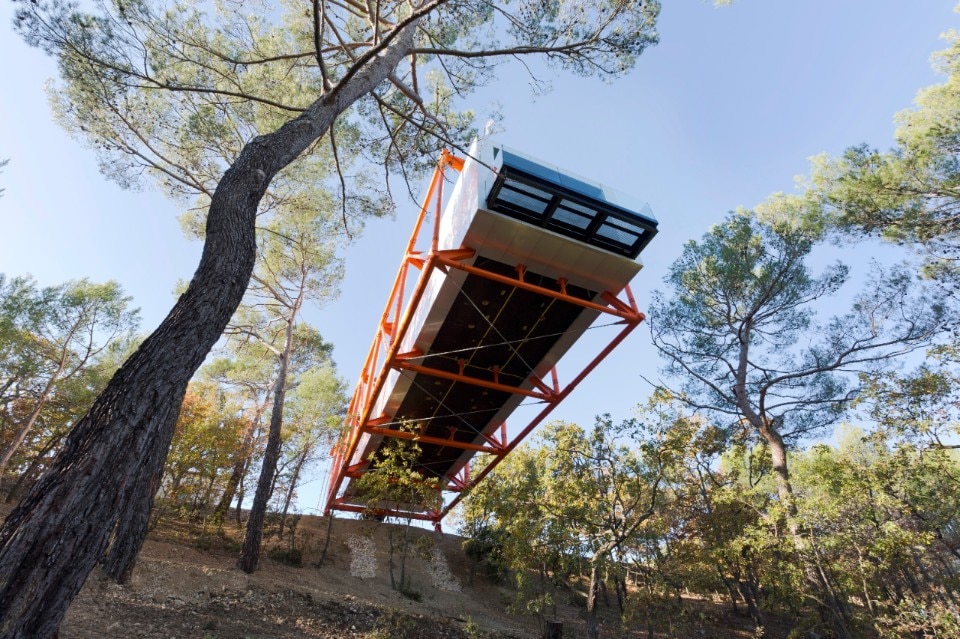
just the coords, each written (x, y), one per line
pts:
(633, 319)
(474, 381)
(627, 313)
(383, 512)
(452, 487)
(392, 329)
(430, 482)
(439, 441)
(463, 486)
(622, 335)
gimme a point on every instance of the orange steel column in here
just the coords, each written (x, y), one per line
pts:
(366, 393)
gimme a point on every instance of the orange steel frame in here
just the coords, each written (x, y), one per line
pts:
(393, 326)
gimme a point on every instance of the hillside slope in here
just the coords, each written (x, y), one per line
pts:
(186, 586)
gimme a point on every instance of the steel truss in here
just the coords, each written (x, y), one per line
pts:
(384, 356)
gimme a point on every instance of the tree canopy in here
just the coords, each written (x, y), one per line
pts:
(372, 67)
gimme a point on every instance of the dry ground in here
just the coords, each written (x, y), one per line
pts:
(186, 585)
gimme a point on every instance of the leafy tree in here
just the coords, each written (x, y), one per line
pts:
(512, 527)
(296, 266)
(22, 307)
(314, 415)
(908, 195)
(367, 56)
(873, 507)
(249, 375)
(577, 496)
(603, 490)
(392, 486)
(204, 447)
(69, 327)
(72, 399)
(738, 329)
(921, 406)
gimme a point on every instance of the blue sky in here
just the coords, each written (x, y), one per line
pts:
(724, 111)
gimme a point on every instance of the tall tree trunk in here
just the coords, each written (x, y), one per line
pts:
(294, 479)
(134, 523)
(253, 539)
(404, 548)
(390, 565)
(778, 456)
(552, 630)
(240, 466)
(731, 587)
(326, 542)
(832, 606)
(748, 592)
(241, 493)
(593, 624)
(620, 586)
(53, 538)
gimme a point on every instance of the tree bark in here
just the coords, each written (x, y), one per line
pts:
(326, 542)
(552, 630)
(294, 479)
(134, 523)
(593, 624)
(246, 447)
(53, 538)
(831, 604)
(253, 539)
(778, 456)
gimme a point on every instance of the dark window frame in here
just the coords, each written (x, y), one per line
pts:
(622, 220)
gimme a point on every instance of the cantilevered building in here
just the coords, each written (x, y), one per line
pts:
(496, 285)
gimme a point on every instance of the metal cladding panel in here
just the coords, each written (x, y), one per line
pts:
(473, 185)
(547, 253)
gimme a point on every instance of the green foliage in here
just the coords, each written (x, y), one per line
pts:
(205, 447)
(485, 546)
(738, 325)
(576, 502)
(289, 556)
(173, 90)
(58, 347)
(392, 484)
(909, 194)
(876, 514)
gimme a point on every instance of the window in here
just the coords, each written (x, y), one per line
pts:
(530, 197)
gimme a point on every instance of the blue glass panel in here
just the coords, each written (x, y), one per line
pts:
(524, 196)
(542, 194)
(617, 234)
(576, 183)
(565, 215)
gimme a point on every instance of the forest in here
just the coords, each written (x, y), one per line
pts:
(796, 461)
